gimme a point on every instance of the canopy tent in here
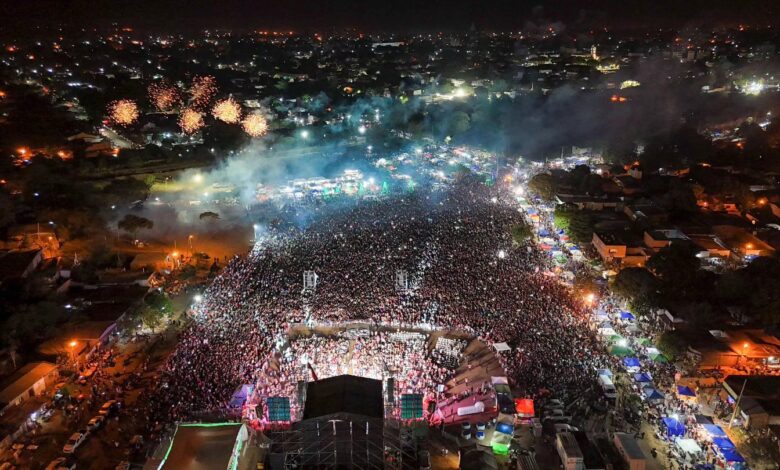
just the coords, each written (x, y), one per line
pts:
(731, 455)
(685, 391)
(606, 372)
(702, 419)
(524, 407)
(714, 430)
(631, 362)
(544, 232)
(689, 446)
(652, 394)
(501, 347)
(674, 428)
(723, 443)
(644, 342)
(616, 338)
(621, 351)
(626, 316)
(606, 332)
(660, 358)
(643, 378)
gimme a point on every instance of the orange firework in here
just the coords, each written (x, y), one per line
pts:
(164, 97)
(255, 125)
(123, 112)
(203, 90)
(227, 111)
(190, 121)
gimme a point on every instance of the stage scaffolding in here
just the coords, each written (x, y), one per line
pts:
(344, 440)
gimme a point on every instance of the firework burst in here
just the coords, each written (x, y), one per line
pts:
(190, 121)
(227, 111)
(203, 90)
(164, 97)
(123, 112)
(255, 125)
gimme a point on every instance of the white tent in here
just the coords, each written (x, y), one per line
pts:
(689, 446)
(501, 347)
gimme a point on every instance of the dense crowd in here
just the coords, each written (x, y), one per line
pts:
(465, 273)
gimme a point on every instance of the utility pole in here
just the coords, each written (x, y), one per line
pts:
(736, 405)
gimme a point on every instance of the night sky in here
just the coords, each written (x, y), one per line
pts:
(372, 15)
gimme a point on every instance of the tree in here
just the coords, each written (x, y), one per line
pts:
(671, 344)
(132, 223)
(639, 287)
(631, 283)
(151, 318)
(159, 301)
(544, 185)
(520, 233)
(676, 266)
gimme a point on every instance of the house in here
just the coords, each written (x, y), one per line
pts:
(741, 242)
(661, 238)
(719, 348)
(615, 247)
(648, 214)
(709, 246)
(18, 264)
(590, 203)
(29, 381)
(758, 396)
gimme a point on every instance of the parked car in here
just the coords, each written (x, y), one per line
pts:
(109, 407)
(61, 463)
(96, 423)
(76, 439)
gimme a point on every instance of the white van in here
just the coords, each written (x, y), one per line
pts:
(607, 386)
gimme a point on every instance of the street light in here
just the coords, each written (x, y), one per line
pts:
(304, 134)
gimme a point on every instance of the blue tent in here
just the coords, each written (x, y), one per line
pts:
(652, 394)
(731, 455)
(626, 315)
(544, 233)
(643, 377)
(723, 443)
(685, 391)
(674, 428)
(631, 362)
(715, 430)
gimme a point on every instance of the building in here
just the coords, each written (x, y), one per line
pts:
(614, 247)
(648, 214)
(741, 242)
(662, 238)
(28, 382)
(718, 348)
(17, 264)
(758, 397)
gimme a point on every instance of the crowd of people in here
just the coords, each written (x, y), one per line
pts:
(466, 273)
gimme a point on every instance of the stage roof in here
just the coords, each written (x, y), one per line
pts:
(344, 394)
(202, 446)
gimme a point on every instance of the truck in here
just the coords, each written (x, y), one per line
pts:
(629, 449)
(569, 451)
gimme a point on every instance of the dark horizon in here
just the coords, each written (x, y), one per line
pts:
(378, 16)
